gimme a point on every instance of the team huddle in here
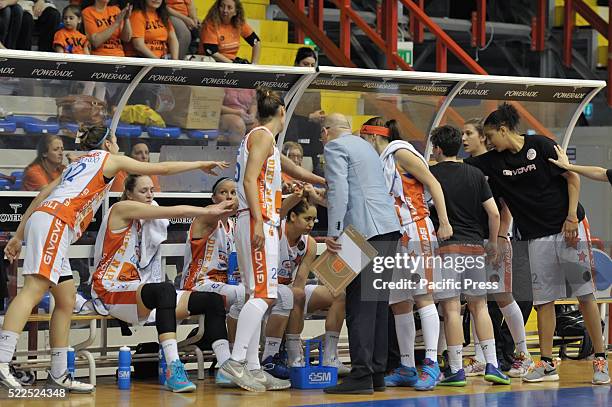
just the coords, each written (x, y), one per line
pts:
(249, 254)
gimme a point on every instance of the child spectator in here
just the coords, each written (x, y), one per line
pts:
(153, 35)
(106, 26)
(223, 26)
(184, 18)
(69, 39)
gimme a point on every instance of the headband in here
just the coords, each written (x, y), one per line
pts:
(219, 182)
(375, 130)
(78, 138)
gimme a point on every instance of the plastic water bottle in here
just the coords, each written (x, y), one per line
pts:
(232, 266)
(71, 361)
(162, 366)
(125, 368)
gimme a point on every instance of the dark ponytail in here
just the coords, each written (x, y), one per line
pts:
(268, 103)
(299, 208)
(92, 137)
(505, 115)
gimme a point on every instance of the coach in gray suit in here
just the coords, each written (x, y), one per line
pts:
(358, 196)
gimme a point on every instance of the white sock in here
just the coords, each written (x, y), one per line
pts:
(170, 350)
(514, 318)
(430, 325)
(222, 350)
(455, 357)
(330, 347)
(406, 334)
(59, 361)
(442, 339)
(249, 321)
(488, 348)
(272, 347)
(478, 355)
(8, 343)
(252, 355)
(293, 344)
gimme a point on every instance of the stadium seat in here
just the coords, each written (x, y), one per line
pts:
(164, 132)
(41, 127)
(7, 126)
(203, 134)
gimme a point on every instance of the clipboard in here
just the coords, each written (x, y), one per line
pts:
(336, 271)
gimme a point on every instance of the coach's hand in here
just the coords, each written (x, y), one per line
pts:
(570, 229)
(332, 244)
(12, 249)
(258, 240)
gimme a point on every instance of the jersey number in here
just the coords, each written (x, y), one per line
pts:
(74, 171)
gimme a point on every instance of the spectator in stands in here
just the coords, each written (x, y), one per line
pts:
(11, 15)
(106, 27)
(47, 166)
(223, 26)
(238, 114)
(69, 39)
(306, 57)
(43, 16)
(295, 153)
(153, 34)
(139, 152)
(184, 18)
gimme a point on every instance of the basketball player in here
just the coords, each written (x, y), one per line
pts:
(543, 200)
(258, 174)
(474, 143)
(129, 291)
(407, 175)
(56, 218)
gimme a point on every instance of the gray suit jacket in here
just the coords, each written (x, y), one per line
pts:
(357, 193)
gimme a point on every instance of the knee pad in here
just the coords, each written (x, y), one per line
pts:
(158, 296)
(206, 303)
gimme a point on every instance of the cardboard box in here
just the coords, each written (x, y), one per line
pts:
(195, 107)
(334, 272)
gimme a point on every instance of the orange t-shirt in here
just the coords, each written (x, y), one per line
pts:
(96, 21)
(36, 178)
(150, 27)
(226, 36)
(182, 6)
(72, 41)
(118, 183)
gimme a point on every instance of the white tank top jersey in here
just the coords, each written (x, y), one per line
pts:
(269, 182)
(207, 258)
(116, 256)
(290, 257)
(80, 192)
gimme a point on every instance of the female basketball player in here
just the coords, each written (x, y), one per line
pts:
(407, 175)
(57, 217)
(298, 252)
(207, 255)
(543, 200)
(130, 293)
(258, 173)
(475, 144)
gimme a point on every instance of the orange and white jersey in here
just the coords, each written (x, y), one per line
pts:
(408, 192)
(116, 256)
(290, 257)
(207, 258)
(80, 192)
(269, 182)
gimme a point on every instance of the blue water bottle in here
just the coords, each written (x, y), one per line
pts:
(125, 368)
(71, 360)
(162, 366)
(232, 266)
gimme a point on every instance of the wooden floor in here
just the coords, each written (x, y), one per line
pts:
(149, 394)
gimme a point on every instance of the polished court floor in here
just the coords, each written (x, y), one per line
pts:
(574, 390)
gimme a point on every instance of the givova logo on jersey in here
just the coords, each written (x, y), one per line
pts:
(521, 170)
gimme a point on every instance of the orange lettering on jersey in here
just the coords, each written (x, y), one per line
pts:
(53, 242)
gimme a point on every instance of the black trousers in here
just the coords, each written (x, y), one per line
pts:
(10, 25)
(366, 318)
(47, 23)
